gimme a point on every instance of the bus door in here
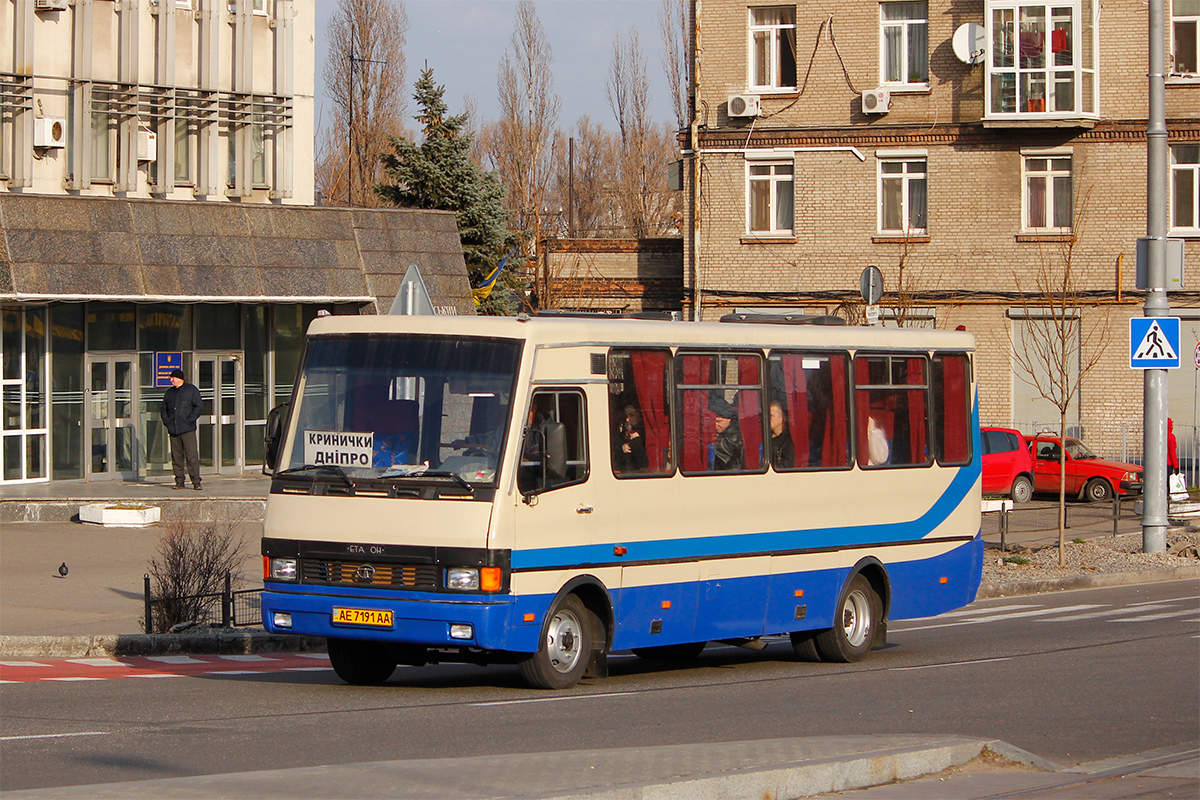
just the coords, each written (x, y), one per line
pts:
(559, 501)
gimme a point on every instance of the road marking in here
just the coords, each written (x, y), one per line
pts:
(54, 735)
(96, 662)
(302, 669)
(245, 658)
(155, 675)
(553, 699)
(21, 664)
(1096, 614)
(73, 678)
(1152, 617)
(1001, 617)
(175, 659)
(950, 664)
(971, 612)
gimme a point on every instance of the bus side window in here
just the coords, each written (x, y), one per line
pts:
(554, 450)
(640, 413)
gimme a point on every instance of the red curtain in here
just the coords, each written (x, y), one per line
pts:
(836, 452)
(918, 434)
(750, 411)
(796, 388)
(698, 428)
(954, 402)
(649, 370)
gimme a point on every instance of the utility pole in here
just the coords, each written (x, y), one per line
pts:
(1154, 409)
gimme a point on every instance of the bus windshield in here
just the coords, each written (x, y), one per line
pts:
(393, 407)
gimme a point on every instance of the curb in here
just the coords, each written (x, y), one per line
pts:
(140, 644)
(1096, 581)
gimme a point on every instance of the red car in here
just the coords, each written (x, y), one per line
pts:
(1088, 476)
(1007, 464)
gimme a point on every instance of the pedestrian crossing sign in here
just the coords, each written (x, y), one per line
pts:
(1154, 343)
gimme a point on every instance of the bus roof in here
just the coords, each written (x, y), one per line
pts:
(600, 331)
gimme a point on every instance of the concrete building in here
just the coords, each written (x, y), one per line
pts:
(965, 148)
(156, 191)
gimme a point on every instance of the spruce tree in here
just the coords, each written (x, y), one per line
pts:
(438, 173)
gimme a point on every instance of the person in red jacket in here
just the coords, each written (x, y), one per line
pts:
(1172, 450)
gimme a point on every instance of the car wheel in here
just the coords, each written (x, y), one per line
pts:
(1097, 491)
(854, 622)
(562, 654)
(1022, 489)
(360, 663)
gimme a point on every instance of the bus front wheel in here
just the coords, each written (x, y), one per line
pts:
(563, 652)
(360, 663)
(855, 621)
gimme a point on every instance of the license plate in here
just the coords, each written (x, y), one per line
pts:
(362, 616)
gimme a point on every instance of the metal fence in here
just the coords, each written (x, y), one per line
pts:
(230, 608)
(1036, 523)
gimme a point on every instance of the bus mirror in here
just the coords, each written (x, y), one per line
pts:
(273, 435)
(545, 462)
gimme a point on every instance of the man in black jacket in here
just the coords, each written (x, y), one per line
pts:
(181, 408)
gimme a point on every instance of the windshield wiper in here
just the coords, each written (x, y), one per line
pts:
(333, 468)
(463, 482)
(422, 471)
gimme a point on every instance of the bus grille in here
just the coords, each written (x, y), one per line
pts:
(364, 573)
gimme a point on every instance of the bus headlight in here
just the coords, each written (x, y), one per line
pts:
(283, 569)
(473, 579)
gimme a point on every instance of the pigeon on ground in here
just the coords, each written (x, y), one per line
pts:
(62, 569)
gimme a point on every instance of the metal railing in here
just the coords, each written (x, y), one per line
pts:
(1037, 522)
(234, 608)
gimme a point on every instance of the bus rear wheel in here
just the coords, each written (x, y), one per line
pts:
(855, 621)
(671, 652)
(564, 649)
(360, 663)
(804, 645)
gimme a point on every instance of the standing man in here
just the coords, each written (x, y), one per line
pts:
(181, 408)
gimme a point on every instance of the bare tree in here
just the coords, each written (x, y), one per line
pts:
(521, 144)
(1058, 347)
(364, 77)
(648, 207)
(676, 34)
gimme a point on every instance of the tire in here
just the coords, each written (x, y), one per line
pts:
(360, 663)
(1022, 489)
(857, 616)
(804, 645)
(565, 647)
(1097, 491)
(671, 652)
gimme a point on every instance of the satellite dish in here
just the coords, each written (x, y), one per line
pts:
(970, 43)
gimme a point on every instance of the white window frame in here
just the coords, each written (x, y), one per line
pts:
(776, 33)
(1192, 168)
(1189, 19)
(1037, 87)
(1049, 173)
(907, 32)
(774, 180)
(905, 178)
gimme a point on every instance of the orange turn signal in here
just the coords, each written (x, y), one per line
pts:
(943, 580)
(529, 618)
(666, 603)
(266, 567)
(489, 579)
(799, 593)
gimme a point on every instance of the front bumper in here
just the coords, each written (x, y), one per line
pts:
(499, 622)
(1131, 487)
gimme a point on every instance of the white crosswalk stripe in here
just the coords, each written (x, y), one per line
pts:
(1106, 613)
(1145, 611)
(1152, 617)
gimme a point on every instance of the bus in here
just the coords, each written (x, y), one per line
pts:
(545, 490)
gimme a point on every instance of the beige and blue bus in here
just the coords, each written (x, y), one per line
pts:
(545, 490)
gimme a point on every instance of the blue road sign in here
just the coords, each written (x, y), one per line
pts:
(163, 364)
(1154, 343)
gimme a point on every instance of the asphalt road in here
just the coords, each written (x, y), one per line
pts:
(1072, 677)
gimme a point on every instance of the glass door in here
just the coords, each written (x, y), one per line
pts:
(219, 378)
(112, 426)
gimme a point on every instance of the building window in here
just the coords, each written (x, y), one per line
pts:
(773, 47)
(258, 160)
(904, 46)
(903, 195)
(1185, 187)
(1042, 59)
(770, 192)
(104, 144)
(183, 152)
(1047, 197)
(1185, 36)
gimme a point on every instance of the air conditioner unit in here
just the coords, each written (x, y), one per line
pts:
(745, 105)
(876, 101)
(50, 5)
(50, 132)
(147, 145)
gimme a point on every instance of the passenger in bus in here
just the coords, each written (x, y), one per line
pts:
(783, 452)
(630, 455)
(728, 451)
(879, 449)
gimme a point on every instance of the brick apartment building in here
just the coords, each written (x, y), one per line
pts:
(156, 207)
(831, 136)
